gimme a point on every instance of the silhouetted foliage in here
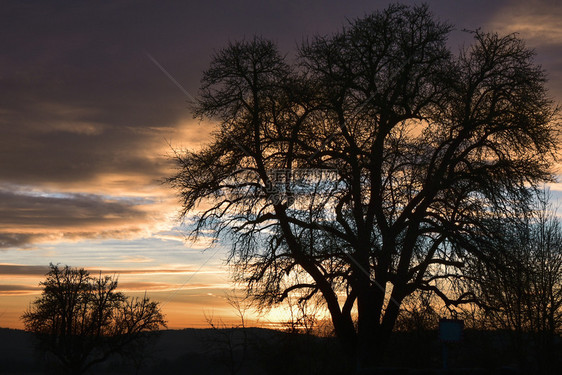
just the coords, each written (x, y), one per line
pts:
(82, 320)
(375, 166)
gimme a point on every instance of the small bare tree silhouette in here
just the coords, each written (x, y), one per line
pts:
(230, 343)
(82, 320)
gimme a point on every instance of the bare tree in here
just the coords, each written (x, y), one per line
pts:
(230, 343)
(524, 294)
(81, 320)
(374, 166)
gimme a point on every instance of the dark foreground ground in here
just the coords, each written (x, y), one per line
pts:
(262, 351)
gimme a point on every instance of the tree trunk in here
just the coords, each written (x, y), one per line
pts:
(372, 346)
(374, 327)
(345, 332)
(371, 338)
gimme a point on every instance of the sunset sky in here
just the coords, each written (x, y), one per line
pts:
(92, 101)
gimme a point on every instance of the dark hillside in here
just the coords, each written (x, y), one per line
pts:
(264, 351)
(16, 352)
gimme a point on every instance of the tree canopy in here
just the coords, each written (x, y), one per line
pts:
(374, 165)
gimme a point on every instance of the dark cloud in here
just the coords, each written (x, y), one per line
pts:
(68, 210)
(17, 288)
(23, 270)
(28, 217)
(11, 290)
(19, 240)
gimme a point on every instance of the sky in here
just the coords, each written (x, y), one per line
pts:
(94, 98)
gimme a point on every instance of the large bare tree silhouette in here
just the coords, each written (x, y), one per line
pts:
(374, 166)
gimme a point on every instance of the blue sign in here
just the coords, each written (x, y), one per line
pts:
(450, 330)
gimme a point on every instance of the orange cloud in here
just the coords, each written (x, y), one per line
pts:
(536, 21)
(152, 286)
(35, 270)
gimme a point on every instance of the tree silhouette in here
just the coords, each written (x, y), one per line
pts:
(374, 166)
(81, 320)
(524, 293)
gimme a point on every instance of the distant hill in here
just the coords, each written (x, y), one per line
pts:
(17, 353)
